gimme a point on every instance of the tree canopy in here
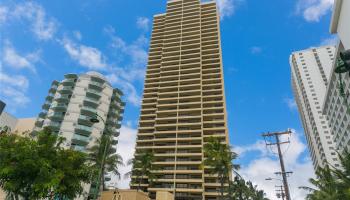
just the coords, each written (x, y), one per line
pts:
(36, 168)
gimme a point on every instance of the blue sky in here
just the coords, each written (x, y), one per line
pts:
(43, 40)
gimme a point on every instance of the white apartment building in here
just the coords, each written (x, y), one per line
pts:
(335, 106)
(72, 102)
(310, 71)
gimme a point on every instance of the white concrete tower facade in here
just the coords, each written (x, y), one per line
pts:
(72, 102)
(335, 106)
(310, 71)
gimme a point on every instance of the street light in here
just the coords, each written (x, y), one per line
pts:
(94, 119)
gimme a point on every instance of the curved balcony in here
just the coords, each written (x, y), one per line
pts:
(80, 140)
(113, 150)
(53, 88)
(66, 90)
(70, 76)
(96, 85)
(93, 93)
(59, 106)
(83, 130)
(114, 142)
(43, 114)
(68, 82)
(49, 97)
(116, 134)
(63, 98)
(53, 125)
(83, 119)
(56, 116)
(87, 110)
(46, 105)
(91, 102)
(39, 123)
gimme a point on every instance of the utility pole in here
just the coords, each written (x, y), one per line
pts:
(280, 191)
(283, 170)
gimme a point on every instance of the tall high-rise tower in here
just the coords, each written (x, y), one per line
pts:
(183, 101)
(311, 70)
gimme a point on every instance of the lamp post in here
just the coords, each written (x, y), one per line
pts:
(95, 120)
(343, 66)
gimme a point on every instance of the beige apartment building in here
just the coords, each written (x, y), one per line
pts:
(183, 101)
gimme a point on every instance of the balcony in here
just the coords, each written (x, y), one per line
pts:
(53, 125)
(96, 85)
(88, 110)
(80, 140)
(59, 106)
(46, 105)
(53, 88)
(50, 97)
(56, 116)
(43, 114)
(91, 102)
(93, 93)
(114, 142)
(63, 98)
(68, 82)
(83, 119)
(66, 90)
(83, 130)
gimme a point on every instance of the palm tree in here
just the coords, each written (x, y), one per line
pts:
(142, 166)
(219, 159)
(331, 183)
(343, 174)
(106, 163)
(325, 186)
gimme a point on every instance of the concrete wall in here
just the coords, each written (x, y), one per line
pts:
(24, 125)
(164, 195)
(2, 194)
(343, 28)
(124, 195)
(8, 120)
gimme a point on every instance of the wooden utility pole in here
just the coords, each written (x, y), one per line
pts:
(283, 170)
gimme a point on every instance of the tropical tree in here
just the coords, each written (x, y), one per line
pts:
(331, 183)
(104, 159)
(142, 166)
(218, 159)
(343, 174)
(239, 189)
(40, 168)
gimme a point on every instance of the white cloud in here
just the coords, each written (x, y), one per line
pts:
(126, 148)
(255, 50)
(86, 56)
(133, 59)
(18, 81)
(12, 90)
(332, 40)
(265, 165)
(313, 10)
(291, 103)
(42, 26)
(128, 88)
(77, 35)
(143, 23)
(3, 14)
(14, 60)
(227, 7)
